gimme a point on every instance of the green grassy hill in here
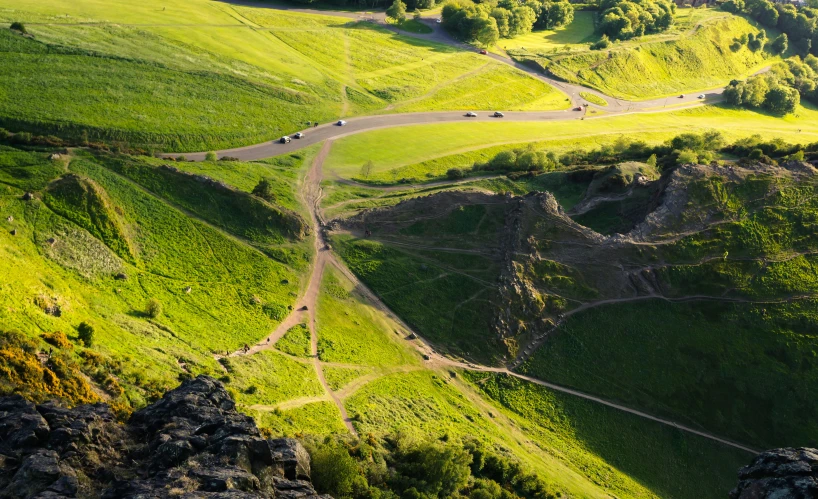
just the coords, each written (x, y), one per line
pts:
(697, 59)
(94, 246)
(203, 76)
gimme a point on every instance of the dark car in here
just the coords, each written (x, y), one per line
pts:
(498, 114)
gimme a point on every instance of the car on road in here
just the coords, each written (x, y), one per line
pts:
(483, 52)
(341, 123)
(438, 20)
(578, 108)
(701, 96)
(285, 139)
(682, 96)
(298, 135)
(471, 114)
(498, 114)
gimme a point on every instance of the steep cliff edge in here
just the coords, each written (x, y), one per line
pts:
(191, 443)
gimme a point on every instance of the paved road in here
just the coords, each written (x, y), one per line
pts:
(365, 123)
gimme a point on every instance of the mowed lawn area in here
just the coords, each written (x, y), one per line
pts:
(412, 145)
(202, 75)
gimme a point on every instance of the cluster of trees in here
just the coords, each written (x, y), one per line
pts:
(374, 4)
(486, 22)
(779, 91)
(756, 42)
(624, 19)
(799, 24)
(399, 466)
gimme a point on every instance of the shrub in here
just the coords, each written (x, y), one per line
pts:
(264, 189)
(211, 156)
(779, 44)
(601, 44)
(181, 158)
(687, 156)
(455, 173)
(153, 308)
(86, 333)
(252, 389)
(57, 339)
(18, 26)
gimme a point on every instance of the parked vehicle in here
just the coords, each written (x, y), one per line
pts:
(298, 135)
(471, 114)
(285, 139)
(341, 123)
(498, 114)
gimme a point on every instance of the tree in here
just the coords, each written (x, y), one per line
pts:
(366, 169)
(522, 20)
(265, 190)
(502, 17)
(85, 332)
(397, 11)
(487, 33)
(782, 99)
(556, 14)
(779, 44)
(153, 308)
(334, 471)
(19, 27)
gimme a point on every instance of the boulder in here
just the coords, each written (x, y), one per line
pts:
(787, 473)
(191, 444)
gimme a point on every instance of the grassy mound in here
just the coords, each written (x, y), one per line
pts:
(83, 202)
(701, 60)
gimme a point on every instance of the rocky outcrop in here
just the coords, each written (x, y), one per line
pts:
(190, 444)
(789, 473)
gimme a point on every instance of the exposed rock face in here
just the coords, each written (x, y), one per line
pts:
(192, 443)
(781, 474)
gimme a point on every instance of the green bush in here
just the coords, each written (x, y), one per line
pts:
(602, 43)
(265, 189)
(85, 332)
(455, 173)
(153, 308)
(211, 156)
(18, 26)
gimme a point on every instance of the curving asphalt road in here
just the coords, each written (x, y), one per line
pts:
(324, 132)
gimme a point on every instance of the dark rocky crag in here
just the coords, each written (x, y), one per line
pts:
(789, 473)
(192, 443)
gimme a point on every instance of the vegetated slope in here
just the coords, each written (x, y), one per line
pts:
(93, 246)
(703, 59)
(722, 242)
(226, 76)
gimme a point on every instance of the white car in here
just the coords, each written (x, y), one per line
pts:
(438, 20)
(284, 139)
(471, 114)
(298, 135)
(701, 96)
(341, 123)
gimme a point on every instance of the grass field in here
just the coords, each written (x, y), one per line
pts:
(352, 331)
(575, 36)
(417, 144)
(697, 58)
(443, 296)
(230, 287)
(721, 367)
(628, 455)
(202, 76)
(316, 418)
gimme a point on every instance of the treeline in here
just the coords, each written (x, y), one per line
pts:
(780, 90)
(402, 467)
(800, 24)
(486, 22)
(373, 4)
(699, 148)
(624, 19)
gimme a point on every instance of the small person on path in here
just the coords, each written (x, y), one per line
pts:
(246, 348)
